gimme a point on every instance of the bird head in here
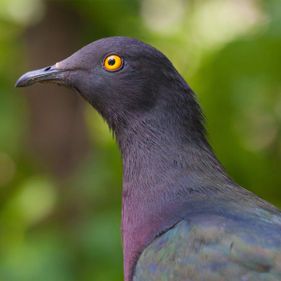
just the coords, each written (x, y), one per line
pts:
(124, 79)
(119, 76)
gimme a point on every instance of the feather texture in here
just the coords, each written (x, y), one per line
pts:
(216, 248)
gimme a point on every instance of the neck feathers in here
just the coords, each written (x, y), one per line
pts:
(166, 163)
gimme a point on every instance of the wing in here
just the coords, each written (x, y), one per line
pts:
(214, 248)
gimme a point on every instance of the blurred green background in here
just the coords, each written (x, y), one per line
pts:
(60, 171)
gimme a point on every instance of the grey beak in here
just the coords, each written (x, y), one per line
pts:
(46, 74)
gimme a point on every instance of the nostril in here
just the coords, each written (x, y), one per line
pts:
(47, 68)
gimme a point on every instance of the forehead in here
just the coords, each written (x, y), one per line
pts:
(122, 45)
(94, 52)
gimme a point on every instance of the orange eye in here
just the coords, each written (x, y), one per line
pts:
(112, 63)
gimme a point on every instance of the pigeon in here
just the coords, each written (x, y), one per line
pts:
(183, 217)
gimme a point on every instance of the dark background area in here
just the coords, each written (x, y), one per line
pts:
(60, 171)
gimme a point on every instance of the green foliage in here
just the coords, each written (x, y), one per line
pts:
(229, 51)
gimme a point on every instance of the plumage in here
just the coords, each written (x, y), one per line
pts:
(217, 246)
(183, 218)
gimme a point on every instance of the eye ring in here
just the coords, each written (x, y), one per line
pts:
(112, 63)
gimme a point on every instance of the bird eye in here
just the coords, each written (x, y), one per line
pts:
(112, 63)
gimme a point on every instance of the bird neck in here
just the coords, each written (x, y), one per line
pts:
(166, 161)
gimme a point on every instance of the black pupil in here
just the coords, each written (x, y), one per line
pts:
(111, 61)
